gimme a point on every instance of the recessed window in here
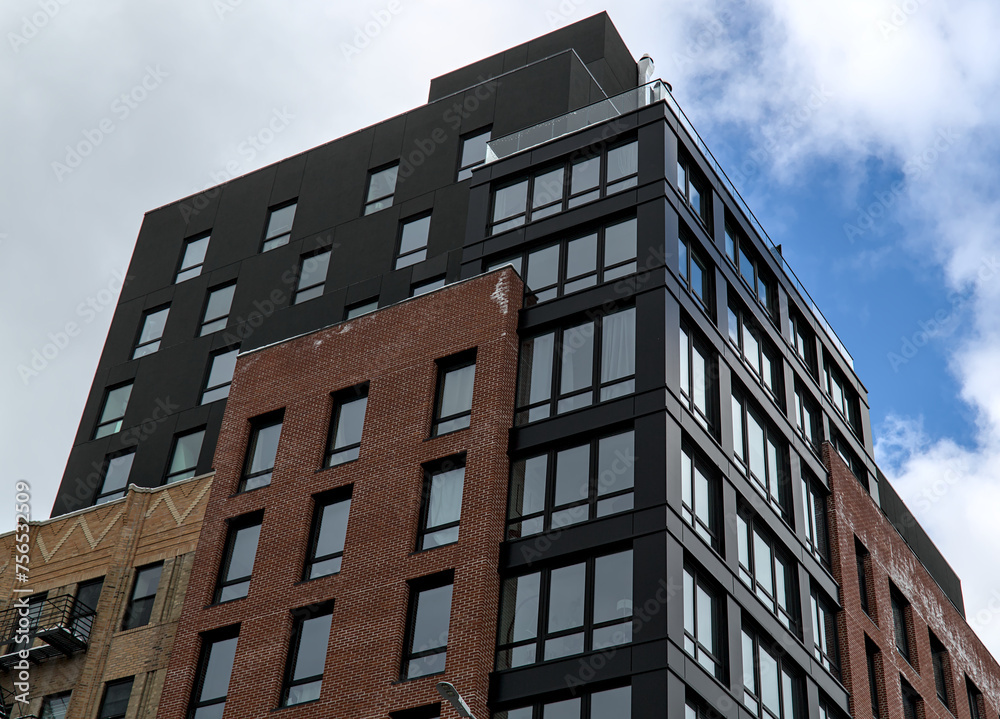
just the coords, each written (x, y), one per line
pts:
(312, 276)
(114, 703)
(360, 308)
(220, 375)
(804, 341)
(767, 571)
(381, 188)
(696, 272)
(184, 459)
(140, 604)
(85, 607)
(346, 426)
(771, 686)
(824, 632)
(192, 258)
(413, 236)
(851, 459)
(761, 453)
(862, 559)
(453, 405)
(615, 703)
(215, 668)
(808, 422)
(307, 654)
(842, 396)
(571, 485)
(220, 301)
(329, 530)
(814, 517)
(113, 411)
(423, 288)
(750, 268)
(698, 374)
(942, 670)
(262, 451)
(694, 189)
(114, 483)
(703, 622)
(564, 611)
(473, 154)
(55, 706)
(871, 657)
(429, 616)
(700, 497)
(279, 227)
(238, 559)
(153, 323)
(911, 700)
(442, 505)
(573, 367)
(900, 610)
(975, 697)
(757, 351)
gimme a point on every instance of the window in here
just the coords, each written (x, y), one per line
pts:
(424, 287)
(346, 425)
(703, 634)
(841, 396)
(381, 188)
(976, 710)
(762, 454)
(329, 530)
(220, 301)
(942, 669)
(911, 700)
(615, 703)
(606, 254)
(55, 706)
(192, 258)
(824, 633)
(115, 482)
(312, 276)
(693, 188)
(113, 411)
(220, 375)
(567, 486)
(560, 369)
(442, 505)
(862, 559)
(114, 703)
(85, 607)
(807, 418)
(307, 655)
(413, 236)
(756, 350)
(152, 330)
(900, 608)
(264, 436)
(565, 186)
(140, 604)
(427, 626)
(696, 272)
(560, 612)
(698, 375)
(804, 341)
(766, 570)
(750, 268)
(237, 561)
(771, 686)
(279, 227)
(215, 668)
(360, 308)
(453, 406)
(814, 517)
(700, 497)
(871, 656)
(473, 153)
(184, 460)
(851, 459)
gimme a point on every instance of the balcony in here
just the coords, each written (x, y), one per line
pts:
(59, 627)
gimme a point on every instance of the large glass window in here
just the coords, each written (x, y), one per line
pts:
(564, 611)
(381, 188)
(113, 411)
(756, 350)
(842, 396)
(215, 668)
(413, 236)
(767, 571)
(184, 459)
(140, 604)
(329, 530)
(814, 517)
(238, 558)
(567, 486)
(750, 268)
(808, 421)
(560, 370)
(703, 632)
(312, 276)
(220, 301)
(696, 271)
(473, 153)
(700, 497)
(803, 340)
(824, 632)
(148, 341)
(279, 227)
(427, 627)
(607, 704)
(307, 655)
(114, 484)
(453, 406)
(698, 375)
(694, 189)
(442, 505)
(192, 258)
(114, 703)
(261, 454)
(771, 686)
(220, 375)
(762, 454)
(347, 425)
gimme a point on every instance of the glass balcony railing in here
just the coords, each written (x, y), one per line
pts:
(630, 101)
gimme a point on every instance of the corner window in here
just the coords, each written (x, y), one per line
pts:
(571, 485)
(700, 498)
(814, 518)
(346, 426)
(237, 561)
(698, 375)
(576, 366)
(153, 323)
(215, 669)
(220, 375)
(453, 406)
(750, 339)
(808, 422)
(192, 258)
(114, 703)
(693, 188)
(413, 235)
(329, 530)
(55, 706)
(140, 604)
(307, 654)
(762, 454)
(824, 633)
(114, 484)
(279, 227)
(473, 154)
(696, 272)
(750, 268)
(312, 276)
(381, 188)
(771, 685)
(427, 624)
(113, 411)
(220, 301)
(184, 459)
(767, 571)
(703, 631)
(565, 611)
(442, 505)
(615, 703)
(261, 453)
(424, 287)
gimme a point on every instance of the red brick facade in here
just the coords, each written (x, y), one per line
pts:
(395, 350)
(852, 513)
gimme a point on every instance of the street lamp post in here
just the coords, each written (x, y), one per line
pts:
(448, 691)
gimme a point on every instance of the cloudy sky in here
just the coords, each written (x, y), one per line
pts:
(864, 134)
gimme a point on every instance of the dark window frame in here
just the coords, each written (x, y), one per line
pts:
(808, 418)
(456, 421)
(767, 354)
(975, 699)
(466, 169)
(847, 406)
(753, 698)
(103, 495)
(941, 665)
(234, 526)
(412, 256)
(871, 659)
(775, 486)
(803, 341)
(46, 708)
(82, 611)
(185, 270)
(304, 294)
(208, 642)
(692, 342)
(339, 495)
(753, 575)
(761, 283)
(862, 560)
(710, 658)
(261, 422)
(334, 456)
(430, 471)
(359, 309)
(176, 476)
(146, 347)
(279, 239)
(299, 618)
(692, 253)
(814, 511)
(110, 686)
(206, 322)
(689, 176)
(139, 610)
(417, 587)
(901, 612)
(911, 699)
(824, 620)
(114, 422)
(372, 205)
(422, 288)
(706, 524)
(206, 389)
(584, 702)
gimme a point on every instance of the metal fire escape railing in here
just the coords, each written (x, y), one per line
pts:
(53, 627)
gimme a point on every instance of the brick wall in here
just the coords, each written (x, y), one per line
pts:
(395, 350)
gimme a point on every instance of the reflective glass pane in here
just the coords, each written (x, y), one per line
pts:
(474, 149)
(244, 551)
(152, 328)
(194, 253)
(445, 502)
(332, 528)
(219, 303)
(519, 613)
(281, 221)
(615, 463)
(528, 486)
(414, 235)
(350, 422)
(611, 704)
(116, 402)
(618, 345)
(536, 369)
(566, 595)
(581, 256)
(623, 161)
(116, 475)
(383, 183)
(769, 694)
(314, 269)
(311, 655)
(510, 201)
(430, 630)
(223, 366)
(577, 358)
(456, 396)
(146, 581)
(543, 267)
(613, 587)
(619, 242)
(265, 448)
(548, 188)
(586, 174)
(706, 619)
(218, 670)
(569, 709)
(572, 474)
(186, 453)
